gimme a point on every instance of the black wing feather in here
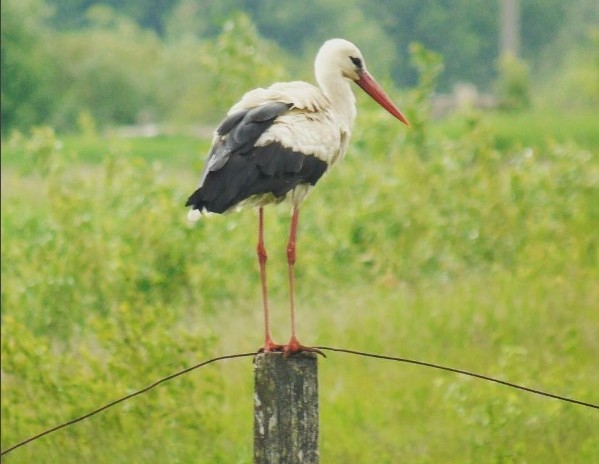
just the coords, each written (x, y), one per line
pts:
(229, 122)
(237, 170)
(239, 132)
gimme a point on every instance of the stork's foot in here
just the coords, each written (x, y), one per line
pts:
(294, 347)
(270, 346)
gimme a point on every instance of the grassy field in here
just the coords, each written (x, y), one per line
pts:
(472, 244)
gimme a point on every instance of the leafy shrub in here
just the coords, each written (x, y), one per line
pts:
(444, 248)
(513, 85)
(28, 68)
(221, 70)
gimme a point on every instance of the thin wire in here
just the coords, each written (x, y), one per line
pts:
(460, 371)
(124, 398)
(340, 350)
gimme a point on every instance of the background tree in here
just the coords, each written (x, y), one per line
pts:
(123, 62)
(27, 65)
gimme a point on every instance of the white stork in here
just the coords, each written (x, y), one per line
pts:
(276, 143)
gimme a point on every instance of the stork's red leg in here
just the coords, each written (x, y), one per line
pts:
(269, 345)
(294, 346)
(291, 266)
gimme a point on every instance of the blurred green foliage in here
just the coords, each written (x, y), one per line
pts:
(27, 71)
(576, 86)
(429, 65)
(469, 256)
(116, 72)
(463, 32)
(172, 61)
(238, 61)
(513, 84)
(471, 243)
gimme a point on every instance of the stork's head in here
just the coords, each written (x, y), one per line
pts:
(341, 57)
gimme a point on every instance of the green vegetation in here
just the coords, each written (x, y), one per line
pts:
(180, 63)
(114, 72)
(517, 130)
(469, 256)
(470, 241)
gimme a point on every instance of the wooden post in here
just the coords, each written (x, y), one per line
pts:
(286, 409)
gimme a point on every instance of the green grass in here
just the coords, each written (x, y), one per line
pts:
(448, 249)
(540, 129)
(173, 151)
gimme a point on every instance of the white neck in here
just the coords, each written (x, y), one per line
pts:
(338, 90)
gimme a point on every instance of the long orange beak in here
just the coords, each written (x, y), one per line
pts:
(372, 88)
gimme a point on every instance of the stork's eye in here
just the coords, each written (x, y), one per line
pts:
(356, 61)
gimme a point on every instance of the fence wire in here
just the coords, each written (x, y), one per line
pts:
(324, 348)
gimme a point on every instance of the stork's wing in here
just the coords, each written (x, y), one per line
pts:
(239, 132)
(241, 164)
(300, 94)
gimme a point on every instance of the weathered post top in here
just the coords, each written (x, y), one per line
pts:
(286, 409)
